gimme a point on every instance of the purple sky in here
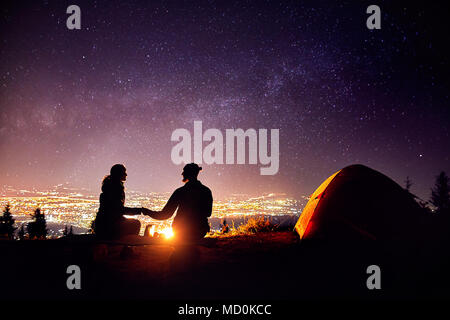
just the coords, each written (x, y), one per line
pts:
(74, 102)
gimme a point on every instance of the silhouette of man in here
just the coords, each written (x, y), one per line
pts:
(194, 204)
(110, 222)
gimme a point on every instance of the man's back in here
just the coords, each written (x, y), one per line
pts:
(194, 202)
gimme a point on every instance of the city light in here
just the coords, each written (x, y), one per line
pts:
(72, 207)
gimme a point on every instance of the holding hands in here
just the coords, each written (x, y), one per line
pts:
(146, 212)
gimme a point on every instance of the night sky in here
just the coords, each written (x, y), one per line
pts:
(74, 102)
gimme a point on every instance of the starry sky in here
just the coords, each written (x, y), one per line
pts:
(75, 102)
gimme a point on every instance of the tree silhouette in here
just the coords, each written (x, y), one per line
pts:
(38, 227)
(66, 231)
(21, 233)
(422, 203)
(408, 184)
(440, 194)
(7, 223)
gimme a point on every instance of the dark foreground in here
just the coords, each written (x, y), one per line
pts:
(274, 266)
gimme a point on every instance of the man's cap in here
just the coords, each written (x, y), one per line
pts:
(192, 168)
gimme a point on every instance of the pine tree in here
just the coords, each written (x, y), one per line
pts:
(21, 233)
(408, 184)
(70, 231)
(440, 194)
(38, 227)
(7, 223)
(66, 231)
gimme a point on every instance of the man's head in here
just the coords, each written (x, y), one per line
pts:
(119, 172)
(190, 172)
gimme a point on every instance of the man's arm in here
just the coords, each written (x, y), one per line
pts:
(167, 211)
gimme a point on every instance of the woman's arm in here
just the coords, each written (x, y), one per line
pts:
(132, 211)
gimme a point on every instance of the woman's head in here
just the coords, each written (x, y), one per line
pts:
(119, 172)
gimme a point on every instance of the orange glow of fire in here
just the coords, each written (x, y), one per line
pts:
(152, 230)
(168, 233)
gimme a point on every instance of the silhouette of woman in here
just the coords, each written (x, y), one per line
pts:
(110, 222)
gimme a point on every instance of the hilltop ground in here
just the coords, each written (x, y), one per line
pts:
(270, 265)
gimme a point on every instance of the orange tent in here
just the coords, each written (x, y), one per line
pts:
(359, 203)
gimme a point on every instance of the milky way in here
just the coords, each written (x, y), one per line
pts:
(74, 102)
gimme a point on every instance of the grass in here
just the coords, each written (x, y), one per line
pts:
(257, 224)
(252, 226)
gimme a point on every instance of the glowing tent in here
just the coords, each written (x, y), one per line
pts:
(359, 203)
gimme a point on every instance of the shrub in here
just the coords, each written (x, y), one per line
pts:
(258, 224)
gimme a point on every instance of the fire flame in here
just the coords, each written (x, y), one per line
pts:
(152, 230)
(167, 232)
